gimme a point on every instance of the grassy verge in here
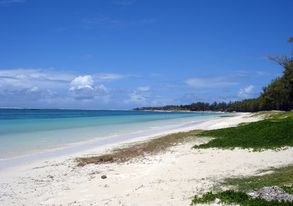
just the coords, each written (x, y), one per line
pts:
(232, 197)
(139, 149)
(282, 177)
(272, 133)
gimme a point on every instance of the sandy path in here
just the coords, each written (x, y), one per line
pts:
(169, 178)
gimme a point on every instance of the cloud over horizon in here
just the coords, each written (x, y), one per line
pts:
(51, 88)
(47, 86)
(247, 92)
(120, 54)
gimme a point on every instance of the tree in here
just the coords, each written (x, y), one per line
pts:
(279, 94)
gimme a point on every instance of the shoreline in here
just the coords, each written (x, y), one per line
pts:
(170, 177)
(40, 157)
(101, 143)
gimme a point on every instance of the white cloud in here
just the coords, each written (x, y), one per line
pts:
(210, 82)
(143, 89)
(109, 76)
(82, 82)
(246, 92)
(17, 79)
(101, 88)
(85, 88)
(34, 89)
(139, 96)
(135, 97)
(35, 74)
(49, 86)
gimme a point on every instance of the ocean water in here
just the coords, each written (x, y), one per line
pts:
(25, 132)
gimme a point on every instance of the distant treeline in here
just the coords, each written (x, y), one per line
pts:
(203, 106)
(278, 95)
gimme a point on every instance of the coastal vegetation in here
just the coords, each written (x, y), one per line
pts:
(278, 95)
(272, 133)
(231, 197)
(141, 149)
(282, 177)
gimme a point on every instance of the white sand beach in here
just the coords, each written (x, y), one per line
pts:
(172, 177)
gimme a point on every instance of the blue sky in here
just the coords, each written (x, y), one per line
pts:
(120, 54)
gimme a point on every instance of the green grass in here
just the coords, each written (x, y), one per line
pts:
(280, 115)
(233, 197)
(272, 133)
(282, 177)
(288, 189)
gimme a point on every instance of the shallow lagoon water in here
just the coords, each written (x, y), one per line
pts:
(25, 132)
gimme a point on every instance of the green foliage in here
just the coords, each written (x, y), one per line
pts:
(271, 133)
(282, 177)
(233, 197)
(247, 105)
(280, 115)
(198, 106)
(288, 189)
(279, 94)
(206, 198)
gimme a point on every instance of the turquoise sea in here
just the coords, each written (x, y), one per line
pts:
(32, 133)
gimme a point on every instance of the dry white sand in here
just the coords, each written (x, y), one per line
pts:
(169, 178)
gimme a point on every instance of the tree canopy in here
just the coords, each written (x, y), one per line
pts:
(279, 94)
